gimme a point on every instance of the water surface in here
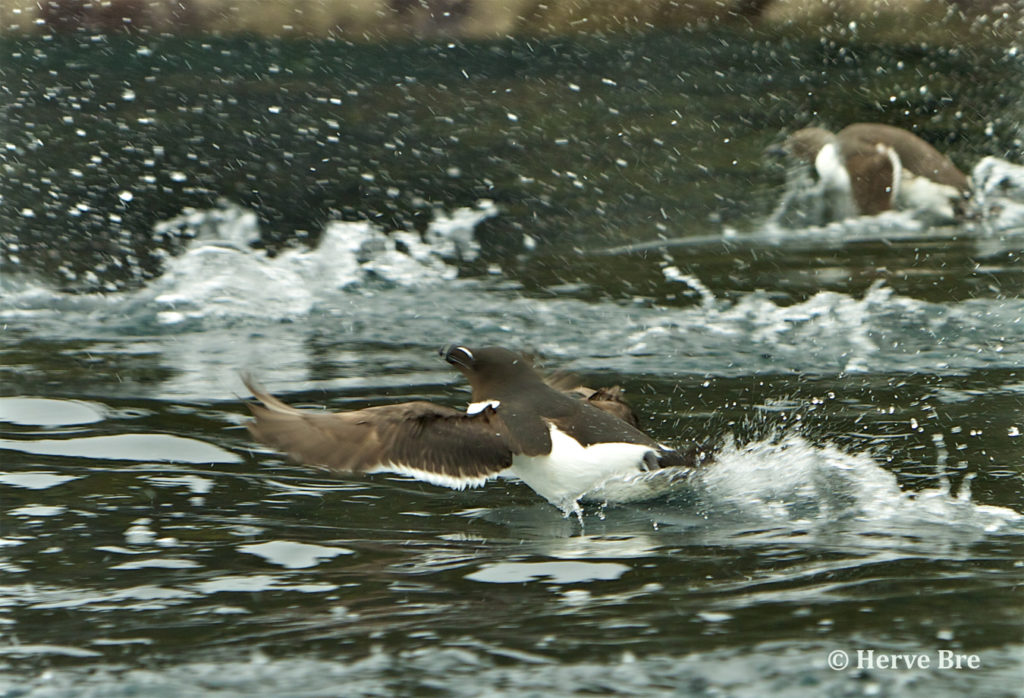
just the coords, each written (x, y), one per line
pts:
(862, 381)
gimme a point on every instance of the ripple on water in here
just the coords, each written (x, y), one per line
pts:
(260, 582)
(35, 480)
(133, 447)
(293, 555)
(32, 510)
(552, 572)
(167, 563)
(45, 412)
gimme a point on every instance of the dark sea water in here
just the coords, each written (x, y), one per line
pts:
(326, 216)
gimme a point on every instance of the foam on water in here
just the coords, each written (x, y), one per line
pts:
(828, 332)
(220, 278)
(358, 274)
(225, 278)
(799, 486)
(998, 194)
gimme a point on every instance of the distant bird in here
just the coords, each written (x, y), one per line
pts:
(867, 168)
(562, 443)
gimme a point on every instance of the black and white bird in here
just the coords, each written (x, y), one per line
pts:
(868, 168)
(562, 443)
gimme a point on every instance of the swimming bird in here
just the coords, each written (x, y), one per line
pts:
(561, 443)
(868, 168)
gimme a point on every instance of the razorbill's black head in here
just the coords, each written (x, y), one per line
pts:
(491, 371)
(562, 443)
(867, 168)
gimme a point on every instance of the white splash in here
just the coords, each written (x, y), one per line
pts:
(453, 237)
(220, 277)
(998, 194)
(799, 486)
(707, 297)
(793, 481)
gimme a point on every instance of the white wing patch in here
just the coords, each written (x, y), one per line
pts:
(455, 482)
(478, 407)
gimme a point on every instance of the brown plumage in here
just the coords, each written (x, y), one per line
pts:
(609, 400)
(916, 154)
(361, 440)
(559, 442)
(436, 439)
(882, 162)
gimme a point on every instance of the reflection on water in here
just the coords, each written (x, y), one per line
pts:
(44, 412)
(563, 572)
(292, 555)
(125, 447)
(34, 480)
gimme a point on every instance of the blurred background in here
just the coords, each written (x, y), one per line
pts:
(609, 122)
